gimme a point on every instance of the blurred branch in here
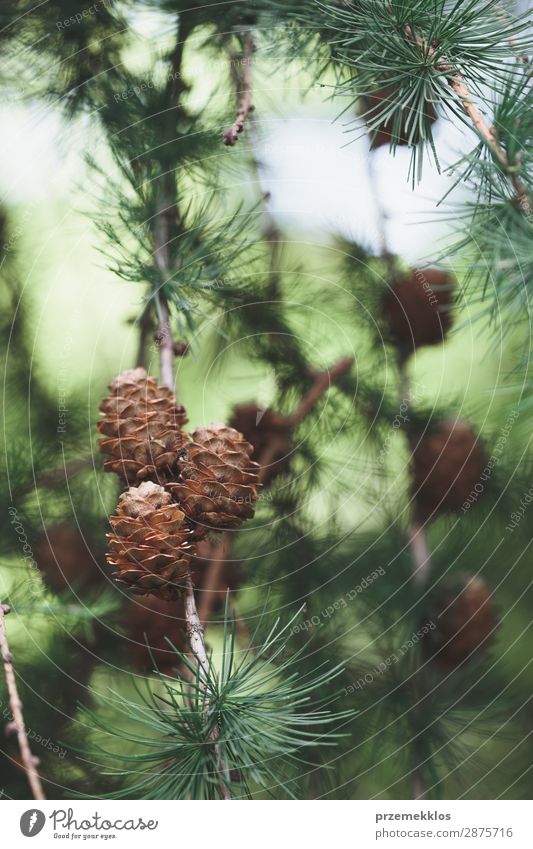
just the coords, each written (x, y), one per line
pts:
(420, 552)
(146, 329)
(416, 533)
(17, 726)
(55, 476)
(321, 384)
(220, 550)
(245, 105)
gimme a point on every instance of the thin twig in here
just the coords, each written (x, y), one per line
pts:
(421, 554)
(486, 133)
(416, 532)
(382, 218)
(164, 333)
(29, 761)
(195, 632)
(245, 104)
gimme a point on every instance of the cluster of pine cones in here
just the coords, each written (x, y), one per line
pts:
(448, 458)
(181, 485)
(447, 464)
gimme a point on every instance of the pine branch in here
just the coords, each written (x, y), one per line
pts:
(265, 711)
(459, 85)
(29, 761)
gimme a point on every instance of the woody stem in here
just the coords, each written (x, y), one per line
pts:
(29, 761)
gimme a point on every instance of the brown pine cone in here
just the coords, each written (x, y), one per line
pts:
(267, 431)
(447, 463)
(217, 487)
(150, 546)
(156, 620)
(417, 308)
(465, 618)
(142, 424)
(383, 134)
(65, 560)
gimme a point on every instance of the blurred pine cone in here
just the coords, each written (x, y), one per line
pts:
(154, 619)
(417, 308)
(63, 556)
(267, 431)
(142, 424)
(384, 133)
(159, 619)
(447, 464)
(465, 618)
(217, 487)
(150, 545)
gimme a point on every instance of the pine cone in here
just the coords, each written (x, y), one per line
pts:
(269, 435)
(447, 464)
(142, 422)
(466, 619)
(217, 488)
(417, 308)
(384, 133)
(150, 545)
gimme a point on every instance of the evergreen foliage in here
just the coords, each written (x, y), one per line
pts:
(322, 679)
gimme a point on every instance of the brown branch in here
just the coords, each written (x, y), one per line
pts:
(146, 329)
(245, 105)
(322, 383)
(166, 345)
(221, 549)
(486, 133)
(29, 761)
